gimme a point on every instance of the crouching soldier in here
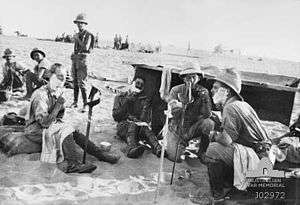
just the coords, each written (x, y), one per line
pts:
(191, 109)
(46, 127)
(131, 111)
(241, 130)
(12, 72)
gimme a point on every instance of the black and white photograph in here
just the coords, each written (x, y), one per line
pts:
(141, 102)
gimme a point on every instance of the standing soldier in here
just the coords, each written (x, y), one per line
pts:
(84, 43)
(116, 39)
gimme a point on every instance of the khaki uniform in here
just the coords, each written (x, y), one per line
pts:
(79, 64)
(196, 124)
(12, 75)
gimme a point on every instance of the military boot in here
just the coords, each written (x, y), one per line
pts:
(133, 149)
(152, 140)
(84, 99)
(29, 91)
(217, 179)
(76, 94)
(92, 149)
(204, 142)
(71, 163)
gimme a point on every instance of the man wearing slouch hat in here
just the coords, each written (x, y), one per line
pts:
(41, 74)
(12, 72)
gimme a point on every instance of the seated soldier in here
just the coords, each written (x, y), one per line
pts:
(240, 124)
(12, 72)
(191, 109)
(130, 109)
(46, 128)
(41, 73)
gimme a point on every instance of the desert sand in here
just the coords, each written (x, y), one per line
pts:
(25, 180)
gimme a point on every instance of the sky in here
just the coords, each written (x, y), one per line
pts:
(267, 28)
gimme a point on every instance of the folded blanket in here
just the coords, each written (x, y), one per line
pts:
(53, 138)
(245, 160)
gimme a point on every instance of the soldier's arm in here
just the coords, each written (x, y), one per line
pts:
(231, 126)
(85, 44)
(206, 104)
(44, 65)
(41, 111)
(41, 72)
(146, 110)
(223, 138)
(173, 94)
(120, 109)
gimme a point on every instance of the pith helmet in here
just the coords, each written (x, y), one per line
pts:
(7, 53)
(80, 18)
(191, 68)
(232, 78)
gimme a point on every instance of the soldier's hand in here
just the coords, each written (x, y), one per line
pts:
(23, 72)
(42, 81)
(218, 123)
(184, 143)
(176, 111)
(60, 114)
(132, 118)
(76, 37)
(131, 96)
(61, 100)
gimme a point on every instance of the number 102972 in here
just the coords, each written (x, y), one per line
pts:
(270, 195)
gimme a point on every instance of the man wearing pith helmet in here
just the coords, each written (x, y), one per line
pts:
(241, 128)
(191, 108)
(84, 43)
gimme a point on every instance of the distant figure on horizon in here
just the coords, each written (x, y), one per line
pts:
(84, 44)
(12, 73)
(125, 45)
(41, 73)
(189, 48)
(120, 41)
(158, 47)
(116, 42)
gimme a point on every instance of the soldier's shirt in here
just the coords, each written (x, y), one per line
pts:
(241, 123)
(15, 66)
(199, 108)
(87, 38)
(45, 64)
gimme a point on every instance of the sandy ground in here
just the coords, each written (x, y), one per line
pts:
(23, 177)
(25, 180)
